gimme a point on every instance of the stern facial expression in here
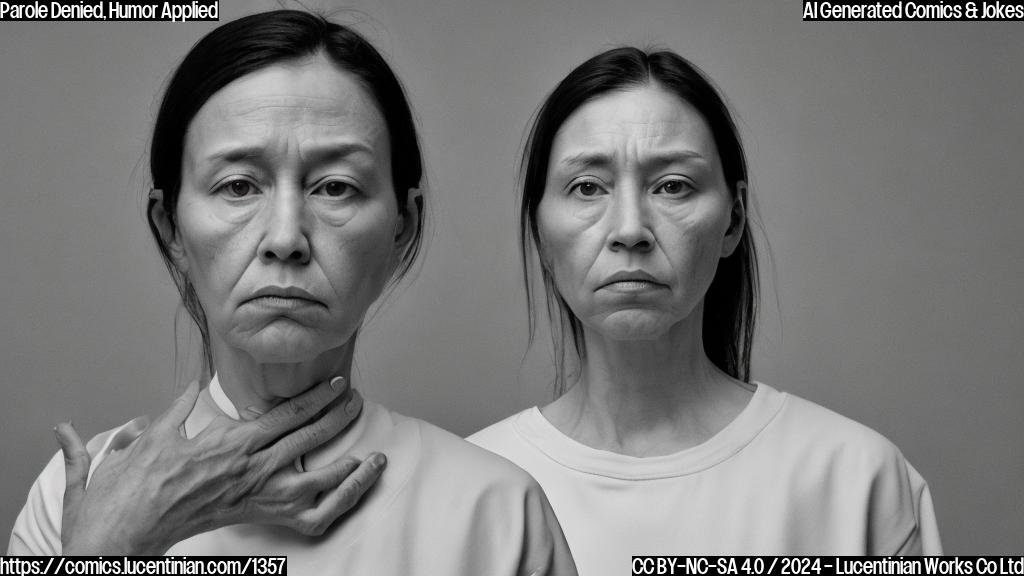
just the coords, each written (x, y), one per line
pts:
(287, 221)
(636, 213)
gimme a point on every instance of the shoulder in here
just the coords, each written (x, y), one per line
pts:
(513, 518)
(807, 426)
(852, 464)
(445, 461)
(524, 439)
(839, 451)
(469, 455)
(499, 436)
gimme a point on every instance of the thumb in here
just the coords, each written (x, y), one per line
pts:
(76, 467)
(178, 413)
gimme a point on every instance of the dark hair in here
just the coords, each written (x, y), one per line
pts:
(244, 46)
(730, 305)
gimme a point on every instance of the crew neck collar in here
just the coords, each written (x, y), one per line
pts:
(763, 406)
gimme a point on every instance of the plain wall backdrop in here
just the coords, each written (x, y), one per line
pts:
(885, 162)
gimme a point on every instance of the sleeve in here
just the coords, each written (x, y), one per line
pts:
(901, 514)
(545, 551)
(924, 539)
(37, 529)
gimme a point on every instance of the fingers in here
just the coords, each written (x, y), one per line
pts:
(336, 418)
(128, 433)
(326, 478)
(295, 412)
(345, 496)
(183, 405)
(76, 466)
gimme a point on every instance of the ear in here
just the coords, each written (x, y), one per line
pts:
(164, 224)
(737, 220)
(408, 219)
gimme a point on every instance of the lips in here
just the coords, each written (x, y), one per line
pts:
(632, 278)
(284, 294)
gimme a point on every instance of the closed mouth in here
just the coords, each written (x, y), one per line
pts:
(284, 296)
(636, 279)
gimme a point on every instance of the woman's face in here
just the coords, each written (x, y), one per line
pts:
(287, 223)
(636, 213)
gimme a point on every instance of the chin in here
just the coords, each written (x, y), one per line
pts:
(284, 343)
(283, 353)
(628, 325)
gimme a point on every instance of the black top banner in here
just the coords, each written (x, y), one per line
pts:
(115, 10)
(903, 11)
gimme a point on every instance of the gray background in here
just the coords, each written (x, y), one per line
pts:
(885, 160)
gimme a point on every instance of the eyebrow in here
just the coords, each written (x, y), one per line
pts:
(331, 152)
(319, 153)
(587, 160)
(604, 160)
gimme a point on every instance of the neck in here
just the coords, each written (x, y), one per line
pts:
(648, 397)
(255, 387)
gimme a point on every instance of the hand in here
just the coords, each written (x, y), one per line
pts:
(157, 487)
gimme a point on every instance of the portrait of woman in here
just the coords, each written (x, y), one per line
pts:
(770, 276)
(635, 190)
(286, 174)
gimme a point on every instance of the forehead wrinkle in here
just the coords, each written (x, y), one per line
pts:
(287, 110)
(251, 104)
(654, 150)
(259, 128)
(616, 129)
(642, 113)
(301, 111)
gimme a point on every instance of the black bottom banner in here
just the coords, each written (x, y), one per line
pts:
(818, 565)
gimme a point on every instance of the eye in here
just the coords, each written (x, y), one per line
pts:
(586, 189)
(674, 187)
(237, 188)
(335, 189)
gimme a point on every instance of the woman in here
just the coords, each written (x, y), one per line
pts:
(285, 164)
(635, 199)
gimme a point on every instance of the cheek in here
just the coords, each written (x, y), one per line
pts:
(566, 247)
(215, 249)
(697, 246)
(359, 257)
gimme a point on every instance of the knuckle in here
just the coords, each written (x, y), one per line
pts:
(265, 424)
(71, 459)
(246, 484)
(290, 494)
(76, 475)
(267, 427)
(312, 435)
(76, 453)
(314, 528)
(213, 437)
(257, 464)
(320, 527)
(248, 442)
(255, 481)
(74, 481)
(297, 408)
(356, 486)
(348, 494)
(350, 464)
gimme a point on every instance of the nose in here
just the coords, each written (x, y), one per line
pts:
(630, 226)
(285, 238)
